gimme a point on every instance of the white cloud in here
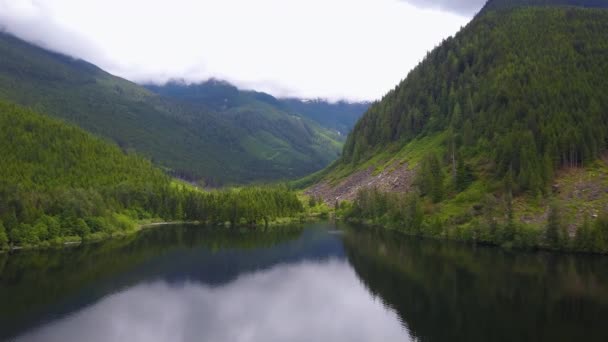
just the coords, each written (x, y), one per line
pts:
(355, 49)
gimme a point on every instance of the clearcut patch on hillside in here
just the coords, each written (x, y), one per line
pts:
(398, 177)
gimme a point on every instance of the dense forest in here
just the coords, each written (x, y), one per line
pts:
(496, 113)
(57, 181)
(525, 88)
(254, 140)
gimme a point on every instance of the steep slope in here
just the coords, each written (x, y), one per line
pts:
(192, 142)
(497, 111)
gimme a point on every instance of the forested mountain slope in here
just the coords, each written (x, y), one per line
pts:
(54, 175)
(527, 85)
(59, 182)
(193, 142)
(516, 97)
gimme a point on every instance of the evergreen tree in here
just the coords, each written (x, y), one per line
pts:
(464, 176)
(556, 234)
(431, 177)
(3, 236)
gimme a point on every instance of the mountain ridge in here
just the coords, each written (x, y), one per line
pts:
(188, 141)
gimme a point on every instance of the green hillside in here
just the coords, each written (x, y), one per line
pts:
(490, 120)
(275, 136)
(192, 142)
(59, 182)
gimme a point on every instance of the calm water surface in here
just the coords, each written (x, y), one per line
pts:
(317, 283)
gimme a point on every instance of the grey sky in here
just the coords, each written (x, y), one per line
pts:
(338, 49)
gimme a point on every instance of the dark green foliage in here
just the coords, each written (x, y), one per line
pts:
(593, 237)
(524, 88)
(556, 234)
(430, 178)
(601, 234)
(54, 176)
(57, 181)
(584, 240)
(249, 205)
(253, 141)
(3, 236)
(402, 211)
(464, 175)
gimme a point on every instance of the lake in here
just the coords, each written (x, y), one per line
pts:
(320, 282)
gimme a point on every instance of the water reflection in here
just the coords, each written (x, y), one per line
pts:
(454, 292)
(306, 301)
(188, 283)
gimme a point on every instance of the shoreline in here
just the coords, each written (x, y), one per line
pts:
(75, 241)
(535, 248)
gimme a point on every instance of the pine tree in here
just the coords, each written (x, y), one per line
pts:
(463, 176)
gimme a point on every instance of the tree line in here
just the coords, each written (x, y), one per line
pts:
(492, 223)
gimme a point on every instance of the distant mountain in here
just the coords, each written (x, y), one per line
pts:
(218, 95)
(340, 116)
(219, 142)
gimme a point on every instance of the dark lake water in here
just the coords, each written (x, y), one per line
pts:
(316, 283)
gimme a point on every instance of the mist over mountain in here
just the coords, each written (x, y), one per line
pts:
(219, 95)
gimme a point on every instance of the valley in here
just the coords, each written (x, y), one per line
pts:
(256, 138)
(161, 202)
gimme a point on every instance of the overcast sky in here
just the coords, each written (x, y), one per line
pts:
(351, 49)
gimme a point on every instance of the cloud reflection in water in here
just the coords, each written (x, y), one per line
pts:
(306, 301)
